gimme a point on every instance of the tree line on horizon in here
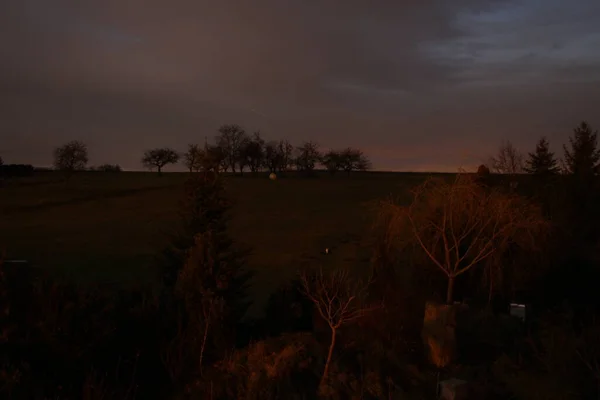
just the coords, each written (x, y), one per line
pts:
(236, 151)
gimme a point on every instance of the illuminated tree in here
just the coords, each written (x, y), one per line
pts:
(339, 300)
(460, 225)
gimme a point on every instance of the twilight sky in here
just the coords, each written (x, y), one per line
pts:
(417, 84)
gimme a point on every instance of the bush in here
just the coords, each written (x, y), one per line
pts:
(108, 168)
(60, 341)
(16, 170)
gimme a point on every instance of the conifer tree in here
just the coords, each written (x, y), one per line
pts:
(582, 164)
(542, 161)
(204, 214)
(583, 157)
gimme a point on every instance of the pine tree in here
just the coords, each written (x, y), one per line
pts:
(542, 161)
(204, 213)
(583, 159)
(582, 163)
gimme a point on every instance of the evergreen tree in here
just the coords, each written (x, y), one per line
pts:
(582, 163)
(542, 161)
(583, 159)
(204, 214)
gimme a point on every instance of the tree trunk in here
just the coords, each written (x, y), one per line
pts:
(450, 291)
(159, 171)
(206, 325)
(329, 356)
(491, 290)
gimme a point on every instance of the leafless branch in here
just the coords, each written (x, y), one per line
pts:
(459, 225)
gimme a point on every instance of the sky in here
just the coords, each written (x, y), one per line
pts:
(418, 85)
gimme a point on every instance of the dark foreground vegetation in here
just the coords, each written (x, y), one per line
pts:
(433, 303)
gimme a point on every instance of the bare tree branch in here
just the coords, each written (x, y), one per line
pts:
(459, 224)
(339, 300)
(508, 160)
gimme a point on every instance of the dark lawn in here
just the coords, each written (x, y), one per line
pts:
(105, 227)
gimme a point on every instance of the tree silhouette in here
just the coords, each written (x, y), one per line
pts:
(71, 157)
(109, 168)
(542, 162)
(205, 209)
(278, 155)
(354, 160)
(272, 156)
(193, 158)
(285, 150)
(308, 156)
(332, 160)
(508, 160)
(583, 157)
(252, 152)
(231, 140)
(159, 158)
(214, 159)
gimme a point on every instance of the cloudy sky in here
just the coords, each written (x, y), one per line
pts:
(417, 84)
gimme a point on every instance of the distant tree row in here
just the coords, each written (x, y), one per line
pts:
(106, 168)
(15, 170)
(234, 151)
(237, 151)
(581, 156)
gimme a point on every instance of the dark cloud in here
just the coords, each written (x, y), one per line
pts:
(435, 82)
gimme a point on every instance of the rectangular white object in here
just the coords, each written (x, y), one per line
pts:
(518, 310)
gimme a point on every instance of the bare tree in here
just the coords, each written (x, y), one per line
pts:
(193, 158)
(354, 160)
(159, 158)
(71, 157)
(339, 300)
(508, 160)
(242, 153)
(332, 160)
(252, 153)
(215, 159)
(273, 157)
(285, 149)
(460, 225)
(308, 156)
(231, 139)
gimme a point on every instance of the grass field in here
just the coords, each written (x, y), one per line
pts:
(106, 227)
